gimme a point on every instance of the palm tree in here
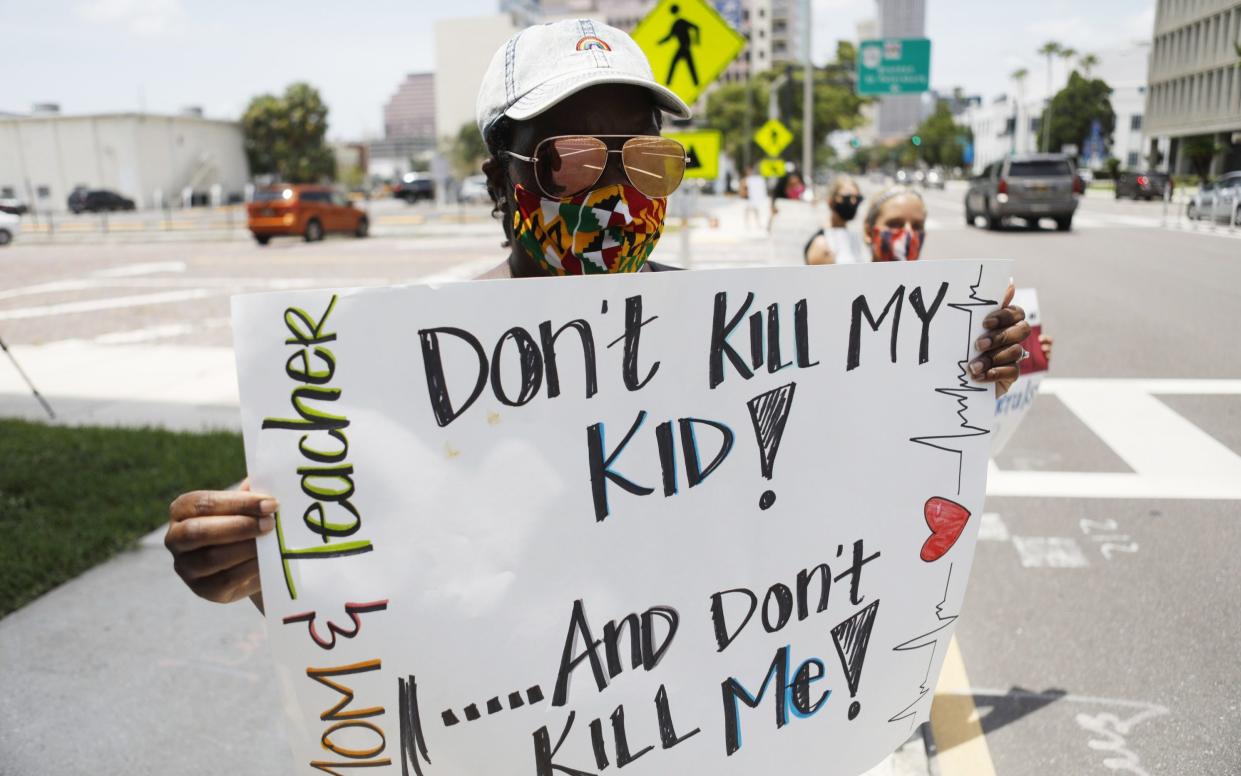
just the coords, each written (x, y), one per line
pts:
(1088, 63)
(1019, 78)
(1049, 49)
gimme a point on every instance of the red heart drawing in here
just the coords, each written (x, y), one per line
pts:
(946, 519)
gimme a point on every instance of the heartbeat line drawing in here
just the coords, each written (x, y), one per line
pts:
(962, 390)
(922, 641)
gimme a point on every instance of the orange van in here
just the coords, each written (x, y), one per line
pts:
(311, 211)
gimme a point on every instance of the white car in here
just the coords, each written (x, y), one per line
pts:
(10, 225)
(474, 190)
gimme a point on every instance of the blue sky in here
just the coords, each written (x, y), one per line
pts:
(103, 55)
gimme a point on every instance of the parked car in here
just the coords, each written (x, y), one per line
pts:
(1143, 185)
(305, 210)
(10, 225)
(1218, 200)
(1029, 186)
(413, 187)
(98, 201)
(13, 206)
(474, 190)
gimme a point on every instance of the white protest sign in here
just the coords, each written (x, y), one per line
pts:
(679, 522)
(1011, 408)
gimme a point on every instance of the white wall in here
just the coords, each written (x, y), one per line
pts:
(132, 154)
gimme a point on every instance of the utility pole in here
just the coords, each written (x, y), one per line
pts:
(807, 100)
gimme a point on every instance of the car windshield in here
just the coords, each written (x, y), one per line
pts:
(1047, 169)
(268, 195)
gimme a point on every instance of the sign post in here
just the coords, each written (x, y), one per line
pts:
(894, 66)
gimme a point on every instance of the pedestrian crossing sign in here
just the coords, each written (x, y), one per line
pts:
(773, 137)
(702, 146)
(772, 168)
(688, 45)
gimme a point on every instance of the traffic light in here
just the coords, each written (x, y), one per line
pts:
(916, 140)
(855, 143)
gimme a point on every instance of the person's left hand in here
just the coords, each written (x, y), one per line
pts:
(1001, 346)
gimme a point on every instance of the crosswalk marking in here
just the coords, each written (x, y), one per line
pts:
(1169, 455)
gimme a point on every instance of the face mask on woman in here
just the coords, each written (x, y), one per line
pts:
(846, 207)
(609, 229)
(899, 244)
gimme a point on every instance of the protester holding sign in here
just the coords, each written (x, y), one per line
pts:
(580, 176)
(836, 244)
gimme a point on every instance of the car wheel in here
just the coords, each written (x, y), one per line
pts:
(6, 237)
(1117, 193)
(1191, 212)
(363, 228)
(314, 230)
(262, 239)
(1064, 224)
(969, 217)
(993, 222)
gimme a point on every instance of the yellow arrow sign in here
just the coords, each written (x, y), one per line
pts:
(702, 146)
(773, 137)
(771, 168)
(688, 45)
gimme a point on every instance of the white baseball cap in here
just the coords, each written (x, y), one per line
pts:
(542, 65)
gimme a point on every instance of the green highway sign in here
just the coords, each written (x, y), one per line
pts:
(894, 66)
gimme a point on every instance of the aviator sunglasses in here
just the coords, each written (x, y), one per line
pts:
(567, 165)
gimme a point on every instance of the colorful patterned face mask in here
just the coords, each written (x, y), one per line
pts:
(897, 244)
(610, 229)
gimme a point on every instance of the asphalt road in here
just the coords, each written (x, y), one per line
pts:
(1101, 629)
(1101, 634)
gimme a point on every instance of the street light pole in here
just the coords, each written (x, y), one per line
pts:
(807, 99)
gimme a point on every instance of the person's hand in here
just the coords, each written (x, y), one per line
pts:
(1045, 343)
(1001, 345)
(211, 537)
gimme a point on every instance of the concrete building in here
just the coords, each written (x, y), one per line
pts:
(463, 49)
(411, 111)
(1011, 122)
(153, 160)
(1195, 81)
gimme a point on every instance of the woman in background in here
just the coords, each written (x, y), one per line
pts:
(836, 244)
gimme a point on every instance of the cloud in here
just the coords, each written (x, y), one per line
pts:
(145, 18)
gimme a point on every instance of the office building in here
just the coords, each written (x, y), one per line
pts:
(1195, 82)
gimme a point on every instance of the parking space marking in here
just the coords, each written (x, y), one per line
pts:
(961, 747)
(1170, 456)
(109, 303)
(166, 331)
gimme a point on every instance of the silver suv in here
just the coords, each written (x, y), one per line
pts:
(1030, 186)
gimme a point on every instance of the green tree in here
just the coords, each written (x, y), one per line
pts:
(943, 138)
(1049, 49)
(285, 136)
(1201, 150)
(1069, 115)
(836, 106)
(1088, 62)
(467, 151)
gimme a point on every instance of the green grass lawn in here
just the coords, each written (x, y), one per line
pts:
(73, 497)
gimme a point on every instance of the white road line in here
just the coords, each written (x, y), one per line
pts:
(166, 331)
(1052, 552)
(91, 305)
(992, 528)
(147, 268)
(1171, 458)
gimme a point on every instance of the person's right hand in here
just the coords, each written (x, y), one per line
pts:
(211, 537)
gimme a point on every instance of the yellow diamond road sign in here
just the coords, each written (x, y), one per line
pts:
(773, 137)
(772, 168)
(702, 146)
(688, 45)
